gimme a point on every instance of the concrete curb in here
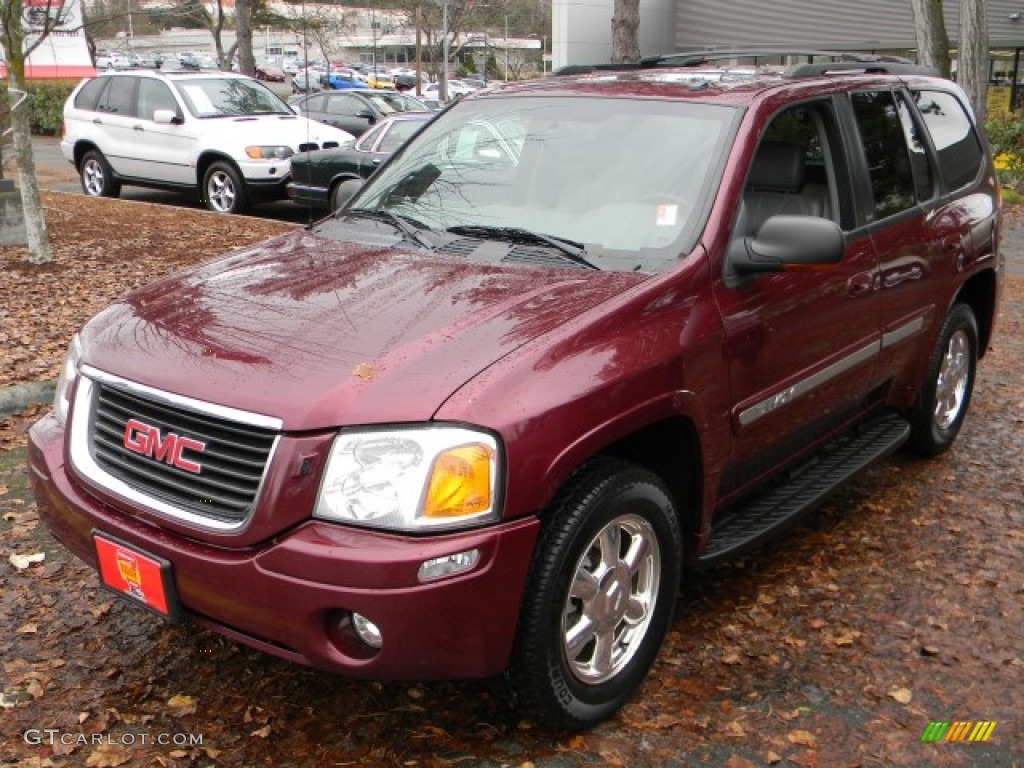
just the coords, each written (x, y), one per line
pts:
(22, 395)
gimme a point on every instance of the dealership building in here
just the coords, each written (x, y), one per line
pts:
(581, 29)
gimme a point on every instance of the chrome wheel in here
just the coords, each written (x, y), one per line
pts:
(951, 385)
(611, 599)
(599, 596)
(94, 179)
(945, 394)
(221, 191)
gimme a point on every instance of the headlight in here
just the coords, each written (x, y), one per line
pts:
(68, 373)
(269, 153)
(415, 479)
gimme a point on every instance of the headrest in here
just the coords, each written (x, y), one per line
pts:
(778, 167)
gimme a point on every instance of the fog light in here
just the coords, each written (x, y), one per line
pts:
(449, 564)
(367, 631)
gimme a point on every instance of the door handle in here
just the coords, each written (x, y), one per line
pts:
(138, 128)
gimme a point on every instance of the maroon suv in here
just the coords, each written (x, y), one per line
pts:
(577, 336)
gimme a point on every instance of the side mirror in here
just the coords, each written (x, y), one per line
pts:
(787, 243)
(367, 114)
(166, 117)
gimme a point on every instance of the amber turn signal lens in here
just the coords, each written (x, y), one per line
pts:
(460, 482)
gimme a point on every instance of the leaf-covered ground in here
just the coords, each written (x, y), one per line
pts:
(899, 603)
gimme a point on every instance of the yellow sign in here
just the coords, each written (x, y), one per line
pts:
(997, 101)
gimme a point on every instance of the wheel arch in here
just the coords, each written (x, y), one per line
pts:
(208, 158)
(979, 293)
(81, 149)
(670, 448)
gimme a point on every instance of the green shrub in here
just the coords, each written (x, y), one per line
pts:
(46, 104)
(1006, 138)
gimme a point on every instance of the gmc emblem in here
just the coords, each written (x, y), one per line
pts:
(146, 440)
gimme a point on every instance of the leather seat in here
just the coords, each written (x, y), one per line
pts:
(776, 185)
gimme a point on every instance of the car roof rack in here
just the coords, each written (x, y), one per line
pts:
(818, 62)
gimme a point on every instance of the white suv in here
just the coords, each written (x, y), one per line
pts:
(225, 135)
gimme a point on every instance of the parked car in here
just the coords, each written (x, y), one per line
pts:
(455, 90)
(189, 61)
(224, 135)
(342, 81)
(269, 73)
(480, 420)
(355, 111)
(317, 177)
(307, 79)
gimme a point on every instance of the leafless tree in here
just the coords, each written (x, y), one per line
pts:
(626, 32)
(20, 35)
(972, 65)
(930, 34)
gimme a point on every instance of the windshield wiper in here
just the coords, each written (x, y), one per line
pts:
(569, 248)
(407, 226)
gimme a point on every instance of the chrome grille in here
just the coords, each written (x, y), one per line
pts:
(232, 464)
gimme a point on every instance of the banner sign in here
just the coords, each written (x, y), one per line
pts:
(63, 53)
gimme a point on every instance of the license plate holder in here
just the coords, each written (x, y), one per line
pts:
(137, 575)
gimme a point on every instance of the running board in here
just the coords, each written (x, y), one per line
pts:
(751, 525)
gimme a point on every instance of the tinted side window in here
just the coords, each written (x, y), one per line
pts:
(154, 95)
(924, 180)
(90, 94)
(344, 105)
(119, 98)
(885, 149)
(953, 134)
(399, 133)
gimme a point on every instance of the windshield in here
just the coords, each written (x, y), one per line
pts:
(229, 96)
(628, 180)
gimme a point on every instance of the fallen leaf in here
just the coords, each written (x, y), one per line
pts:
(262, 732)
(179, 705)
(21, 562)
(803, 738)
(363, 371)
(28, 629)
(108, 756)
(902, 695)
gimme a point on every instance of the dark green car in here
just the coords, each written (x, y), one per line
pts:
(317, 175)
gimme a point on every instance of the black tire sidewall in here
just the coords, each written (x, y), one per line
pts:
(927, 438)
(562, 699)
(110, 187)
(241, 194)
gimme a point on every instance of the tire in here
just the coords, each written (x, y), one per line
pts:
(97, 176)
(342, 192)
(945, 394)
(599, 597)
(223, 189)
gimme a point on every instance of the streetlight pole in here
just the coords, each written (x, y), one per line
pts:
(444, 50)
(506, 47)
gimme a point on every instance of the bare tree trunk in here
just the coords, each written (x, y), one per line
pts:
(31, 203)
(930, 31)
(972, 68)
(243, 28)
(626, 32)
(12, 37)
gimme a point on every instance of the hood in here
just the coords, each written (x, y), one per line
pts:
(321, 334)
(293, 130)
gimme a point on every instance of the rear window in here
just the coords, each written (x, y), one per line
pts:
(89, 94)
(952, 132)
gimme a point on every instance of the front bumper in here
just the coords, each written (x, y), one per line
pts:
(292, 595)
